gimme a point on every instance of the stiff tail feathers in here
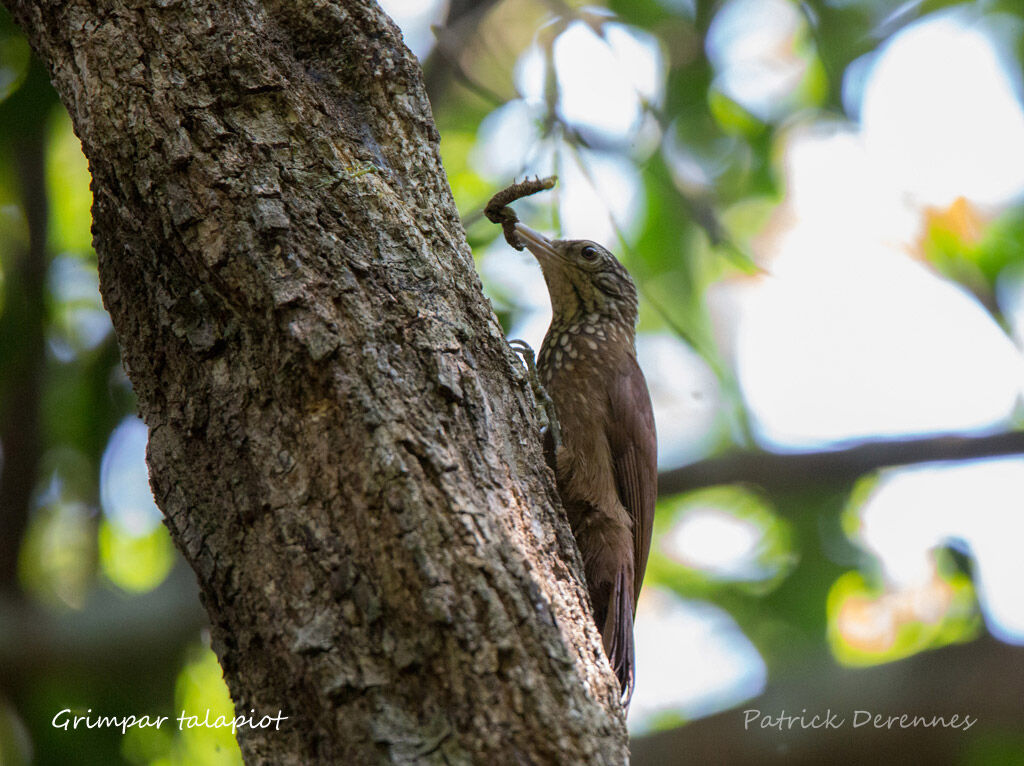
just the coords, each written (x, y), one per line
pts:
(617, 634)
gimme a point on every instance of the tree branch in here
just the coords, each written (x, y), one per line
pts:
(23, 321)
(113, 636)
(444, 64)
(783, 471)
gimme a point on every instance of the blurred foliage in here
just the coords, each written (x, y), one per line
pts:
(135, 562)
(869, 624)
(200, 688)
(58, 555)
(704, 167)
(757, 554)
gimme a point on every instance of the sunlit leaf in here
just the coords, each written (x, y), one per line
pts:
(58, 554)
(135, 563)
(14, 57)
(869, 625)
(67, 183)
(201, 688)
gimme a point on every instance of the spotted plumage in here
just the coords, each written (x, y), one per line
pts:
(606, 465)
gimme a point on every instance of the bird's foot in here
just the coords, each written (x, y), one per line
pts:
(549, 418)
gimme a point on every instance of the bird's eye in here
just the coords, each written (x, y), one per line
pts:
(589, 252)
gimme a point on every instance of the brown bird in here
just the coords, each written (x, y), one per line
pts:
(606, 464)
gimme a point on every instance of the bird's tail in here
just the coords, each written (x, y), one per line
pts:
(617, 635)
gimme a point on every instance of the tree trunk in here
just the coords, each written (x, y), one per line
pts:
(341, 441)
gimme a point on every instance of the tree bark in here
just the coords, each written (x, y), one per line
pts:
(342, 444)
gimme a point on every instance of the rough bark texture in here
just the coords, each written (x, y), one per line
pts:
(340, 439)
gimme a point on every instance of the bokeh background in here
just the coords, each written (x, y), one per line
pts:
(823, 206)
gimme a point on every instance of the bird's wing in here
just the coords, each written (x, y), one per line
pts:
(634, 448)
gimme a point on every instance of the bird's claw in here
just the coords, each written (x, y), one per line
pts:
(547, 406)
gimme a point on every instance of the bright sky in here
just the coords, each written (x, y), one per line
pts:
(851, 338)
(415, 18)
(975, 506)
(124, 480)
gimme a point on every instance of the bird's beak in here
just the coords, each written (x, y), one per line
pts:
(542, 247)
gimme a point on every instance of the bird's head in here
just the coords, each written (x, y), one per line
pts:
(583, 278)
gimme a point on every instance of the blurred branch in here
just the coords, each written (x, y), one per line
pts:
(113, 634)
(982, 679)
(782, 471)
(22, 324)
(704, 12)
(444, 65)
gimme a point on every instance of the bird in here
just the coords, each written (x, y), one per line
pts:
(606, 462)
